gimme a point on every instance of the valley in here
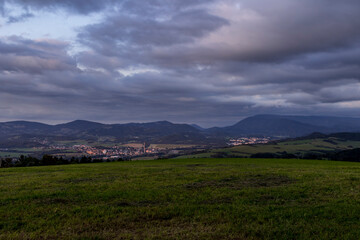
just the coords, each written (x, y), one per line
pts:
(276, 135)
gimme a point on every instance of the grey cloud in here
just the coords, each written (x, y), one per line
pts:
(22, 55)
(343, 93)
(20, 18)
(288, 28)
(285, 55)
(124, 35)
(209, 62)
(77, 6)
(148, 7)
(253, 33)
(159, 9)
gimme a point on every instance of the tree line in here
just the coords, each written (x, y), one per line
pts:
(48, 160)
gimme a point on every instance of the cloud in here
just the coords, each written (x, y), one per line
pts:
(136, 37)
(146, 7)
(33, 56)
(76, 6)
(210, 62)
(20, 18)
(246, 32)
(273, 33)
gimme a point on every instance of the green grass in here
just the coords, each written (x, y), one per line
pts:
(17, 152)
(12, 154)
(182, 199)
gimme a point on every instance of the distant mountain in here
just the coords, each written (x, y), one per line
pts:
(143, 131)
(198, 127)
(290, 126)
(31, 134)
(79, 125)
(271, 126)
(334, 124)
(22, 133)
(22, 127)
(78, 128)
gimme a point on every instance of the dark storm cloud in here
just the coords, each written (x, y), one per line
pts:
(133, 37)
(22, 55)
(211, 62)
(146, 7)
(183, 27)
(78, 6)
(255, 33)
(283, 30)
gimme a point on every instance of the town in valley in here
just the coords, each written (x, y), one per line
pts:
(120, 151)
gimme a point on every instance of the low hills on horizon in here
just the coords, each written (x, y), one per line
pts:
(275, 126)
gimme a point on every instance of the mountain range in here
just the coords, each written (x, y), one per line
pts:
(23, 133)
(292, 126)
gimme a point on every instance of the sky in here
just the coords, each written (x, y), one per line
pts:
(209, 62)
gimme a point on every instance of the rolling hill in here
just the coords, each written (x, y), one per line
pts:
(311, 146)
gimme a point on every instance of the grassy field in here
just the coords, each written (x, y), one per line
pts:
(295, 147)
(12, 154)
(17, 152)
(182, 199)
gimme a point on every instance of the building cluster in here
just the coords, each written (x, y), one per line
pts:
(108, 152)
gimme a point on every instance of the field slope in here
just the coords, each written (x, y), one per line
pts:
(182, 199)
(299, 147)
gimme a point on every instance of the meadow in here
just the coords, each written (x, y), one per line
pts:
(182, 199)
(298, 147)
